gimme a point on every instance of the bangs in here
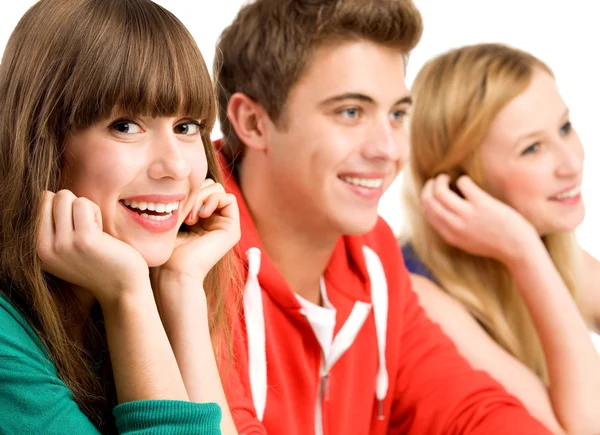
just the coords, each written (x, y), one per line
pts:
(141, 60)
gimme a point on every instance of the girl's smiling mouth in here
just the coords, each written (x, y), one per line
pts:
(156, 213)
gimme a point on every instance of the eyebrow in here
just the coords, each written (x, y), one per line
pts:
(361, 97)
(522, 137)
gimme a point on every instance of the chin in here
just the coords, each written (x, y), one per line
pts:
(565, 226)
(155, 261)
(359, 225)
(155, 255)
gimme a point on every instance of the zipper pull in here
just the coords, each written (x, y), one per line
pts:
(325, 386)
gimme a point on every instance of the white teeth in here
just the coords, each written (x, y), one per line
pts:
(569, 194)
(369, 183)
(153, 206)
(157, 218)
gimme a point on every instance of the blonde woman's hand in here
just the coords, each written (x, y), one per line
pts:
(73, 247)
(478, 223)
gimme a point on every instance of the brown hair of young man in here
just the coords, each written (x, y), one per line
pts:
(265, 50)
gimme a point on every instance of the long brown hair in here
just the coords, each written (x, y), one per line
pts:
(457, 97)
(67, 64)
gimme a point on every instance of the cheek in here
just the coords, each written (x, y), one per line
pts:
(96, 174)
(198, 167)
(520, 189)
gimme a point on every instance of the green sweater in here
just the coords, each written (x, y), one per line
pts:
(33, 399)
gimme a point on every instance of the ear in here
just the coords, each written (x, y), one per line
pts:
(248, 119)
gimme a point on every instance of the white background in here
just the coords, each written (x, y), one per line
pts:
(566, 35)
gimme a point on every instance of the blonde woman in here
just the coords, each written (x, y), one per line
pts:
(493, 197)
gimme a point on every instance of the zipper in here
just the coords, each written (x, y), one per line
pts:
(322, 396)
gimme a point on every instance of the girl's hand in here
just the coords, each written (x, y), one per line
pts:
(479, 224)
(73, 247)
(214, 229)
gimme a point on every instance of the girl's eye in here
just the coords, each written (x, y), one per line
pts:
(188, 128)
(126, 127)
(566, 128)
(531, 149)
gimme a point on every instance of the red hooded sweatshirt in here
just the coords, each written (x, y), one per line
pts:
(369, 362)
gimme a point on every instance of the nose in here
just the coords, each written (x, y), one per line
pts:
(168, 158)
(569, 158)
(387, 141)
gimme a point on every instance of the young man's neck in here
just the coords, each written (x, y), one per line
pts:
(298, 249)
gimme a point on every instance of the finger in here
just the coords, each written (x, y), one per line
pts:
(47, 217)
(221, 203)
(98, 216)
(209, 188)
(442, 218)
(207, 183)
(442, 228)
(448, 198)
(85, 216)
(63, 214)
(471, 190)
(45, 241)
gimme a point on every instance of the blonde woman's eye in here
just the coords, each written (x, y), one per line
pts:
(531, 149)
(126, 127)
(566, 128)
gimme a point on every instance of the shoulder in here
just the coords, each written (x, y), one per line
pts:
(19, 344)
(452, 316)
(14, 327)
(591, 265)
(33, 399)
(438, 304)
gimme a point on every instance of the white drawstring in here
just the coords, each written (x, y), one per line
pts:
(255, 329)
(379, 298)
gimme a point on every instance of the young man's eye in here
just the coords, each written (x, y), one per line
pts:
(350, 112)
(531, 149)
(566, 128)
(125, 127)
(188, 128)
(398, 115)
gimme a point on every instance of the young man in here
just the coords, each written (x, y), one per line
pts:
(332, 339)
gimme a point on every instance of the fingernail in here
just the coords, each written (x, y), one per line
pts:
(189, 216)
(202, 208)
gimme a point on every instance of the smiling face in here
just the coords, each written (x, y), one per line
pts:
(533, 159)
(341, 139)
(143, 173)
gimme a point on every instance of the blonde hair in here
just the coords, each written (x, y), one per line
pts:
(457, 97)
